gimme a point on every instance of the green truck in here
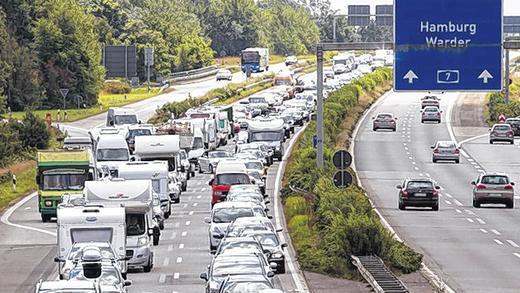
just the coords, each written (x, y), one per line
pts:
(59, 173)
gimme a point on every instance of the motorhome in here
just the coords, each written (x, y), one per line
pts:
(121, 117)
(164, 148)
(254, 60)
(111, 152)
(58, 173)
(90, 223)
(211, 125)
(269, 131)
(136, 197)
(138, 130)
(157, 171)
(208, 130)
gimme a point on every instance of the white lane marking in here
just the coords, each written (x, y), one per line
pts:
(480, 221)
(512, 243)
(498, 242)
(190, 197)
(473, 163)
(162, 278)
(458, 211)
(470, 220)
(203, 189)
(428, 175)
(406, 148)
(190, 213)
(516, 254)
(188, 223)
(184, 233)
(179, 259)
(176, 276)
(11, 210)
(410, 158)
(199, 196)
(458, 202)
(170, 247)
(27, 208)
(416, 168)
(447, 201)
(442, 188)
(421, 174)
(447, 194)
(404, 143)
(195, 204)
(472, 138)
(477, 167)
(181, 246)
(484, 231)
(177, 224)
(199, 183)
(166, 262)
(496, 232)
(470, 212)
(470, 160)
(174, 234)
(464, 154)
(184, 205)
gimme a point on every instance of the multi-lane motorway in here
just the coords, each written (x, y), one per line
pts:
(27, 246)
(472, 249)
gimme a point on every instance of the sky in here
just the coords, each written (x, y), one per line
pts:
(511, 7)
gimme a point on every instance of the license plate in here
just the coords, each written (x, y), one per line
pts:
(501, 135)
(495, 194)
(420, 194)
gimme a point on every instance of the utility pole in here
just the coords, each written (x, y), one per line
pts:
(319, 121)
(506, 94)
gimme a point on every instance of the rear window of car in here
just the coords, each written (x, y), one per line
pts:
(495, 180)
(232, 179)
(446, 145)
(384, 116)
(502, 127)
(431, 110)
(419, 184)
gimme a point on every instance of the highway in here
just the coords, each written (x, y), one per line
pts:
(472, 249)
(182, 254)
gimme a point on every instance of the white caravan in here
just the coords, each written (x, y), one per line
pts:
(208, 129)
(90, 223)
(270, 132)
(164, 148)
(136, 197)
(111, 152)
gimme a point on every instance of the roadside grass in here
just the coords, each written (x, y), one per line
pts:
(25, 184)
(105, 101)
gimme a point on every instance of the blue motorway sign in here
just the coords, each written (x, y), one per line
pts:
(448, 45)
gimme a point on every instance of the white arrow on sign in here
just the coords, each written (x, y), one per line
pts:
(485, 75)
(410, 76)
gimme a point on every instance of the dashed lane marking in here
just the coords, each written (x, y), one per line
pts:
(190, 213)
(162, 278)
(188, 223)
(181, 246)
(496, 232)
(176, 276)
(166, 262)
(470, 220)
(174, 234)
(484, 231)
(480, 221)
(184, 233)
(447, 194)
(447, 201)
(458, 211)
(179, 259)
(195, 204)
(512, 243)
(170, 247)
(498, 242)
(458, 202)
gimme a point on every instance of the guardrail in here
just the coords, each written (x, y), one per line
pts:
(192, 72)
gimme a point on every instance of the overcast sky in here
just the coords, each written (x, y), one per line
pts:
(511, 7)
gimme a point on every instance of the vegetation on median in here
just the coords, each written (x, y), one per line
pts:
(328, 224)
(496, 103)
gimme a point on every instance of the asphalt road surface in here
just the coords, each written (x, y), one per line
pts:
(472, 249)
(28, 246)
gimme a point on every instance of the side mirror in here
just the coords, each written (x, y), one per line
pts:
(373, 118)
(212, 252)
(270, 274)
(127, 283)
(132, 158)
(183, 169)
(204, 276)
(218, 236)
(270, 217)
(512, 183)
(284, 245)
(150, 231)
(207, 220)
(432, 147)
(127, 258)
(398, 186)
(267, 202)
(279, 230)
(473, 183)
(210, 182)
(437, 187)
(56, 259)
(140, 122)
(266, 210)
(395, 118)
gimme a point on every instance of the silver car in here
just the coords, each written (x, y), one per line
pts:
(224, 74)
(384, 121)
(445, 151)
(431, 113)
(493, 188)
(502, 132)
(430, 101)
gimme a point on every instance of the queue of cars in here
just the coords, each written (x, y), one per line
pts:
(132, 173)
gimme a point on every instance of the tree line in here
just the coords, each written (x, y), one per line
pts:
(47, 45)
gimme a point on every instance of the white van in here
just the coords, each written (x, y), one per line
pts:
(121, 117)
(90, 223)
(111, 152)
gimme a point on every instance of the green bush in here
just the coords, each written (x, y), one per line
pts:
(296, 205)
(404, 258)
(116, 87)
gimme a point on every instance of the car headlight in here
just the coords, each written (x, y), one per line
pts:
(277, 255)
(48, 203)
(66, 273)
(142, 241)
(277, 147)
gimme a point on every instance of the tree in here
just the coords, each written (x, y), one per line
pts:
(68, 51)
(5, 67)
(111, 18)
(34, 132)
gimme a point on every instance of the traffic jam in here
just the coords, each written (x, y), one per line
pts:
(113, 192)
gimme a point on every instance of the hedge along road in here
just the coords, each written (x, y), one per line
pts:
(180, 258)
(473, 250)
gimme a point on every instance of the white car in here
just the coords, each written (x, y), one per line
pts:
(365, 68)
(224, 74)
(291, 60)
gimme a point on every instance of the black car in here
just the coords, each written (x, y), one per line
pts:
(418, 193)
(515, 125)
(270, 242)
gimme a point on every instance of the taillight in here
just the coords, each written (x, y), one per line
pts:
(481, 186)
(435, 193)
(457, 151)
(508, 187)
(436, 151)
(510, 132)
(493, 133)
(404, 193)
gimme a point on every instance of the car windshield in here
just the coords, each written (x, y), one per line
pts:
(384, 116)
(446, 145)
(419, 184)
(228, 215)
(76, 252)
(237, 267)
(224, 72)
(495, 180)
(240, 245)
(198, 143)
(126, 119)
(183, 155)
(254, 165)
(340, 61)
(257, 100)
(112, 155)
(232, 179)
(432, 109)
(266, 136)
(502, 127)
(267, 240)
(109, 276)
(280, 81)
(255, 175)
(66, 290)
(245, 287)
(64, 181)
(135, 224)
(250, 57)
(245, 197)
(219, 155)
(138, 132)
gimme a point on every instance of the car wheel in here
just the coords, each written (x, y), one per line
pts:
(476, 204)
(434, 160)
(435, 207)
(394, 130)
(168, 214)
(512, 142)
(457, 161)
(422, 121)
(279, 158)
(211, 169)
(200, 170)
(490, 142)
(155, 239)
(374, 129)
(161, 225)
(402, 207)
(439, 121)
(510, 204)
(148, 267)
(212, 248)
(184, 187)
(193, 174)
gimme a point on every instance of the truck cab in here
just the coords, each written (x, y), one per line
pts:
(59, 173)
(270, 132)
